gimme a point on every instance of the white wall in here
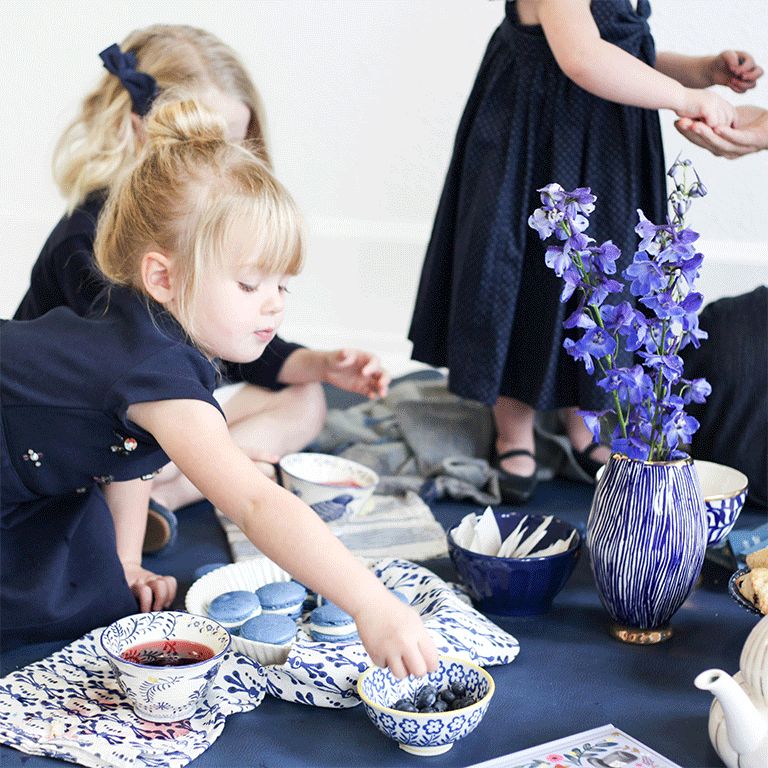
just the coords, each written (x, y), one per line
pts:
(363, 100)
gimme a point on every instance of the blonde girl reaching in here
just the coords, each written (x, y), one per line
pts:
(281, 407)
(199, 242)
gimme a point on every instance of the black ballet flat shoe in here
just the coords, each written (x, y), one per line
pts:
(515, 489)
(586, 462)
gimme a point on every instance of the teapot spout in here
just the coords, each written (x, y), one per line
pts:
(744, 723)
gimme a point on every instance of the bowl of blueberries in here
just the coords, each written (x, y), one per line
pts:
(427, 715)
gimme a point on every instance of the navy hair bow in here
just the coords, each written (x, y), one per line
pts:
(141, 86)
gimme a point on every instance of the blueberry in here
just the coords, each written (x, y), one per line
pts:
(460, 703)
(447, 695)
(404, 705)
(440, 705)
(427, 709)
(425, 696)
(459, 689)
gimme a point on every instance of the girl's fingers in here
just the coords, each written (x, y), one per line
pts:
(396, 667)
(414, 662)
(429, 653)
(143, 595)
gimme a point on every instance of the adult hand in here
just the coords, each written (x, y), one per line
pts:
(749, 133)
(356, 371)
(153, 592)
(735, 69)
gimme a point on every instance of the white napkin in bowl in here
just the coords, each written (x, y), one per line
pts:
(482, 535)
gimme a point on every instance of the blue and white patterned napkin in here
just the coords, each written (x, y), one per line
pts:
(69, 706)
(325, 674)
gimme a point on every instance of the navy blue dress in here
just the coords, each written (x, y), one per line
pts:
(487, 306)
(65, 275)
(66, 383)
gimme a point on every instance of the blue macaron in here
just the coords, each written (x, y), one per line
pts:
(282, 597)
(201, 570)
(329, 624)
(269, 628)
(232, 609)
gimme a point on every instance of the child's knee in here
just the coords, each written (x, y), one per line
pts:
(311, 400)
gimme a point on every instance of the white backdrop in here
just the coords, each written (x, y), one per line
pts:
(363, 99)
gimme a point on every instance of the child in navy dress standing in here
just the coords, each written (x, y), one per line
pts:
(279, 406)
(567, 92)
(199, 241)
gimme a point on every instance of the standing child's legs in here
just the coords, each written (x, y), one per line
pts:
(262, 423)
(581, 437)
(514, 430)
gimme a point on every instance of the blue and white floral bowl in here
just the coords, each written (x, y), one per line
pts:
(724, 489)
(164, 694)
(425, 733)
(333, 486)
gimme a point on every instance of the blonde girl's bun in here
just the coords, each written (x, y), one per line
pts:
(178, 121)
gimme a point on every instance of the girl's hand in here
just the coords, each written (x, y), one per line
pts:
(736, 69)
(153, 592)
(356, 371)
(708, 107)
(395, 637)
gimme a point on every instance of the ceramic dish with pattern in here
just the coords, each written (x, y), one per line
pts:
(334, 487)
(164, 661)
(725, 490)
(735, 592)
(426, 733)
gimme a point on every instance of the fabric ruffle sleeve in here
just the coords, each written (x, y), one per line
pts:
(178, 372)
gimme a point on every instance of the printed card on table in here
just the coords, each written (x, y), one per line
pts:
(603, 747)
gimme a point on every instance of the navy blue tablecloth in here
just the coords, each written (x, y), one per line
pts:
(570, 675)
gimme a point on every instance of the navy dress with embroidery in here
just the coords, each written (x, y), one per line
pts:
(65, 275)
(66, 383)
(487, 306)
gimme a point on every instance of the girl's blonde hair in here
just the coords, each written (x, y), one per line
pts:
(101, 143)
(204, 201)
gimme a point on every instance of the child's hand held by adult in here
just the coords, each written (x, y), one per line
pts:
(707, 106)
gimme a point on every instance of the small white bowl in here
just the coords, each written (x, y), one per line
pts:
(333, 486)
(422, 733)
(164, 694)
(249, 576)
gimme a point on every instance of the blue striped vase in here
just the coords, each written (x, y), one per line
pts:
(647, 535)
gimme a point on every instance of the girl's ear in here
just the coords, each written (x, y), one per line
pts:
(158, 277)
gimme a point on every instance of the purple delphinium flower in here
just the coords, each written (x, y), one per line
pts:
(649, 399)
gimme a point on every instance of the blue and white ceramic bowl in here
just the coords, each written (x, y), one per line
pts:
(425, 733)
(164, 694)
(517, 586)
(724, 490)
(334, 487)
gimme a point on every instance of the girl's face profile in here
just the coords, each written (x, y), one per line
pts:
(240, 309)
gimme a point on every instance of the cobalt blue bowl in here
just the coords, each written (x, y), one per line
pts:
(517, 586)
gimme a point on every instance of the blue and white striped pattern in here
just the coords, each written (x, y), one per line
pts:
(647, 535)
(721, 516)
